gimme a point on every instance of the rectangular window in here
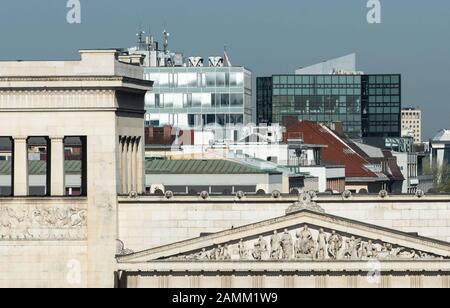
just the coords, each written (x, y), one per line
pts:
(225, 100)
(150, 100)
(187, 100)
(178, 100)
(237, 100)
(220, 80)
(211, 79)
(159, 103)
(187, 80)
(164, 80)
(6, 155)
(197, 99)
(38, 166)
(75, 168)
(206, 100)
(168, 100)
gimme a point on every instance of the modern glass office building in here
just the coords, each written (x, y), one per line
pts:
(369, 106)
(188, 97)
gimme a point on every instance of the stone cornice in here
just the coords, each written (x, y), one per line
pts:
(70, 82)
(288, 199)
(406, 267)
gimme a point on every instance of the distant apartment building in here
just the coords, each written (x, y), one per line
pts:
(368, 106)
(412, 124)
(190, 93)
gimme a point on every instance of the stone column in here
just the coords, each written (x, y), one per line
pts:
(129, 167)
(140, 166)
(124, 149)
(133, 165)
(20, 171)
(57, 174)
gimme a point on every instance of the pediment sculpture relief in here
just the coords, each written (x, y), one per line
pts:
(306, 244)
(305, 202)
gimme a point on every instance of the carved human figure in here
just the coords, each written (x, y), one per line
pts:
(218, 253)
(264, 248)
(335, 243)
(202, 255)
(243, 252)
(306, 241)
(225, 253)
(351, 250)
(368, 250)
(256, 253)
(287, 245)
(260, 249)
(322, 243)
(275, 244)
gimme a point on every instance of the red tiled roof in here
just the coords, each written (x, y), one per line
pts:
(337, 152)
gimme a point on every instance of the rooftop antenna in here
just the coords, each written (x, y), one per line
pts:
(141, 42)
(166, 40)
(225, 55)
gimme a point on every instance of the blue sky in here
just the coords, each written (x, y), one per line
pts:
(266, 36)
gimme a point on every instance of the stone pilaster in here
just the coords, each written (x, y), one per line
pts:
(57, 174)
(20, 171)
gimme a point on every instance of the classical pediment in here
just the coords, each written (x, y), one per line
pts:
(302, 235)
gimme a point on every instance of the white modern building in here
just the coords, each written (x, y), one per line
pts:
(188, 92)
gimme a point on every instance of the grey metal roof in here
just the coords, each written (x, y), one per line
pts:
(200, 167)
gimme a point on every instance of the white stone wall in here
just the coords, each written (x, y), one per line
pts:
(154, 222)
(43, 252)
(36, 264)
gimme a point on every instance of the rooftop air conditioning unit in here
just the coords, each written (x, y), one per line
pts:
(215, 62)
(195, 62)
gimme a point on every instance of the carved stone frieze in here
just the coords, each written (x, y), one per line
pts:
(42, 222)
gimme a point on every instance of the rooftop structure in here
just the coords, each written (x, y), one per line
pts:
(187, 93)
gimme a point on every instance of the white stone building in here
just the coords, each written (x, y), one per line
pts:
(101, 101)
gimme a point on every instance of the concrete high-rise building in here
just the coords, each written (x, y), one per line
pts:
(412, 124)
(189, 94)
(367, 105)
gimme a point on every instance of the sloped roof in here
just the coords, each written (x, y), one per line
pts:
(293, 221)
(39, 167)
(369, 150)
(200, 167)
(338, 151)
(442, 136)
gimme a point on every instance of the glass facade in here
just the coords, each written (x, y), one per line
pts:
(188, 97)
(367, 105)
